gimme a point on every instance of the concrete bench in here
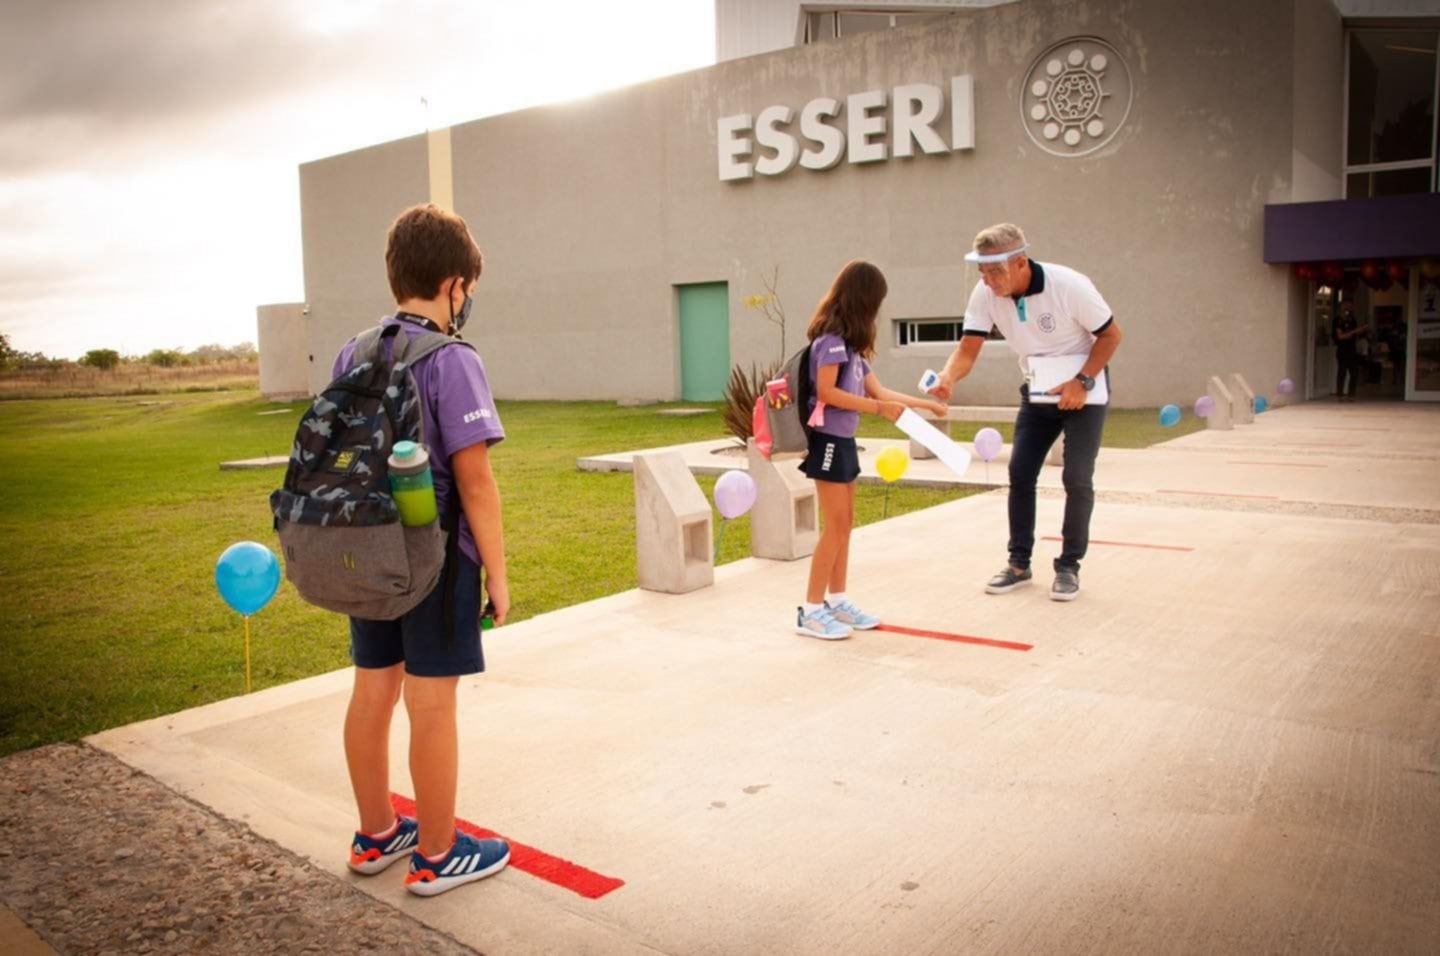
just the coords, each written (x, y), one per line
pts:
(981, 413)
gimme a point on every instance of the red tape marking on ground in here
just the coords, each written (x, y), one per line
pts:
(958, 638)
(1130, 544)
(527, 859)
(1213, 494)
(1277, 464)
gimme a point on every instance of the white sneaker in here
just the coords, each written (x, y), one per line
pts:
(820, 623)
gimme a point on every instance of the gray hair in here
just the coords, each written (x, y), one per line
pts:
(1004, 235)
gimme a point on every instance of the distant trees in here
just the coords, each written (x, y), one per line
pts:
(103, 359)
(165, 358)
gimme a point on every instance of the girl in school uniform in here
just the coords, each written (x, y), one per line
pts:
(842, 339)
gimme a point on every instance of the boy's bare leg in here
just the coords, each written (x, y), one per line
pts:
(367, 743)
(434, 758)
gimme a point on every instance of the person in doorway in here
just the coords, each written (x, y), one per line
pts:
(1041, 310)
(433, 264)
(842, 338)
(1347, 331)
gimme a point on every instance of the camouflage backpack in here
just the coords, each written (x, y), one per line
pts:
(344, 546)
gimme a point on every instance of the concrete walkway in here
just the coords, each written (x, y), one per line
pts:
(1230, 743)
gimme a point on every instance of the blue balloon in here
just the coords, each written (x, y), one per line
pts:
(1170, 415)
(1261, 404)
(247, 575)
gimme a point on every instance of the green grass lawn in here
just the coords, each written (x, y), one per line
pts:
(115, 511)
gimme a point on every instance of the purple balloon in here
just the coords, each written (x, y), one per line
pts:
(734, 494)
(1286, 386)
(988, 443)
(1204, 405)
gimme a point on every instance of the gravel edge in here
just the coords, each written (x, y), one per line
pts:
(102, 858)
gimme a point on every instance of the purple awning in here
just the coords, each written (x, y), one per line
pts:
(1387, 227)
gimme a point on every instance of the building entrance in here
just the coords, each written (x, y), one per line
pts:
(1397, 354)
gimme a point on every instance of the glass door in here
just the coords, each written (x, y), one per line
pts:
(1422, 380)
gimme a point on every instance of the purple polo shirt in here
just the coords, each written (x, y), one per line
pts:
(457, 410)
(830, 349)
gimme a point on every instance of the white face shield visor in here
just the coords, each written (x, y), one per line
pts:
(994, 258)
(994, 262)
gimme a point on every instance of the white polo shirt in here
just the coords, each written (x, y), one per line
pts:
(1059, 314)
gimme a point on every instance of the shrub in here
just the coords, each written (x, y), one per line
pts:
(165, 358)
(103, 359)
(739, 411)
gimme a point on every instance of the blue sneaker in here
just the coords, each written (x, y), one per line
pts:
(467, 860)
(847, 613)
(820, 623)
(371, 854)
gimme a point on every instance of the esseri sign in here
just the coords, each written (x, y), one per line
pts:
(866, 136)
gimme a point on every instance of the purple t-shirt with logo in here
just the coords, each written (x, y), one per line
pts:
(456, 408)
(830, 349)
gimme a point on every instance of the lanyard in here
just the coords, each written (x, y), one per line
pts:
(419, 320)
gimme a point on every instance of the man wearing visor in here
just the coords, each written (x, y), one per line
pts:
(1042, 310)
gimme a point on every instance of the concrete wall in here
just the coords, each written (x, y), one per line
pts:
(1316, 167)
(284, 371)
(591, 212)
(347, 203)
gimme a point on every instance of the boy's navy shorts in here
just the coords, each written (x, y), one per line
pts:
(831, 458)
(418, 639)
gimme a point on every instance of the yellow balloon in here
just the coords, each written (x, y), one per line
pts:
(891, 463)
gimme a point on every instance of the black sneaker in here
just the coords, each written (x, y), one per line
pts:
(1066, 586)
(1008, 580)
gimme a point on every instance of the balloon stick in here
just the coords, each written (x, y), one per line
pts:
(718, 539)
(247, 653)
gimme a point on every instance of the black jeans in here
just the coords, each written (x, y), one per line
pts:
(1036, 428)
(1347, 364)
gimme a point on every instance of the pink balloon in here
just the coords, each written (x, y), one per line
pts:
(1204, 405)
(734, 494)
(988, 443)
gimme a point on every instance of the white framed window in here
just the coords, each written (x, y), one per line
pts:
(934, 331)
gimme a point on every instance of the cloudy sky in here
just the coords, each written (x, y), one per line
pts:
(149, 192)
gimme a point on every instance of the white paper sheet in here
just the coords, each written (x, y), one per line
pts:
(955, 458)
(1045, 372)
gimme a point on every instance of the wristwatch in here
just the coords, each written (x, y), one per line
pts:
(1085, 380)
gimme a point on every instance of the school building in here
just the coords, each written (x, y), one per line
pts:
(1227, 171)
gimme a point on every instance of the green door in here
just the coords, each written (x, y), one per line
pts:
(704, 341)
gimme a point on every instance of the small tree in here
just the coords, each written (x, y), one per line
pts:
(103, 359)
(768, 304)
(165, 358)
(8, 355)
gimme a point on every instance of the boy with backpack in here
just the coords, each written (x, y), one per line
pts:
(432, 263)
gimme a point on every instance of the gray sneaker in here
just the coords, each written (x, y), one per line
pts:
(1008, 580)
(1066, 586)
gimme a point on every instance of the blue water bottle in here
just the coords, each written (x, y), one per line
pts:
(411, 483)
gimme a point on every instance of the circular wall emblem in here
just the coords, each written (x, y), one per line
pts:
(1076, 97)
(1047, 323)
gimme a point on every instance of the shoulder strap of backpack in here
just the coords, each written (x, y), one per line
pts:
(369, 344)
(415, 348)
